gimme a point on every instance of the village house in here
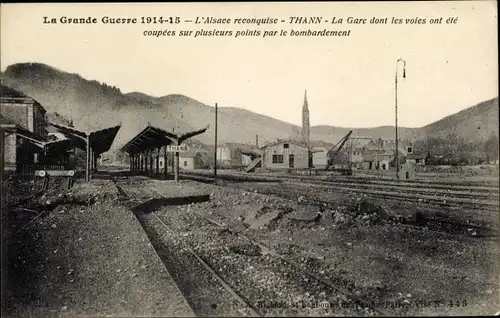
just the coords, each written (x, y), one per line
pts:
(377, 161)
(194, 158)
(224, 154)
(285, 154)
(375, 154)
(230, 154)
(25, 120)
(190, 160)
(418, 158)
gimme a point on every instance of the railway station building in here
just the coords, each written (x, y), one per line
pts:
(24, 124)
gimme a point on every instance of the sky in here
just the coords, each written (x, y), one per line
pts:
(349, 80)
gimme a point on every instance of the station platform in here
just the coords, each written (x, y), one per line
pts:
(88, 257)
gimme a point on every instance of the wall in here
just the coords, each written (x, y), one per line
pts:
(186, 163)
(320, 159)
(357, 156)
(384, 164)
(421, 162)
(300, 156)
(223, 154)
(16, 113)
(407, 171)
(246, 160)
(161, 163)
(39, 120)
(10, 151)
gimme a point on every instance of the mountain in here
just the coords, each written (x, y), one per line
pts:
(93, 105)
(475, 123)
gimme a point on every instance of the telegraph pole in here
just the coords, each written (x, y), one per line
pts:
(396, 111)
(87, 168)
(177, 163)
(215, 151)
(2, 156)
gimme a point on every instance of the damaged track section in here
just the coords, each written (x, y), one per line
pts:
(205, 291)
(273, 285)
(193, 248)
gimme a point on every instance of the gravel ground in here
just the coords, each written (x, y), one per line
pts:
(405, 270)
(206, 296)
(88, 256)
(264, 280)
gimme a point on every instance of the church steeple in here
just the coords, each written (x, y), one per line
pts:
(305, 120)
(305, 107)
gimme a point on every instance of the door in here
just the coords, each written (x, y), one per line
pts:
(291, 161)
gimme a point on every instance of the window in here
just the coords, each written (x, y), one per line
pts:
(277, 158)
(185, 163)
(161, 163)
(410, 149)
(286, 146)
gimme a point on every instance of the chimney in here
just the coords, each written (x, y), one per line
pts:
(257, 141)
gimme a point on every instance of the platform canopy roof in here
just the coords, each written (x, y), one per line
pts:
(52, 146)
(100, 140)
(154, 137)
(11, 127)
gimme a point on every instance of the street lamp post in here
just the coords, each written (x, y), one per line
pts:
(396, 110)
(215, 152)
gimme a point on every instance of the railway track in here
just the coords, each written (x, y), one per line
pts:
(205, 291)
(437, 222)
(371, 183)
(198, 261)
(355, 303)
(253, 312)
(447, 199)
(210, 253)
(466, 184)
(267, 250)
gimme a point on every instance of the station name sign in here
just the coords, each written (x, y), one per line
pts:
(177, 148)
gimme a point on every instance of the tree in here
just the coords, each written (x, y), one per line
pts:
(491, 148)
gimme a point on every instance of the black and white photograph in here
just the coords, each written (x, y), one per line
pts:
(230, 159)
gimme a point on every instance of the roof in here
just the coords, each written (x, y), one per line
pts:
(8, 94)
(12, 93)
(100, 140)
(23, 133)
(284, 142)
(154, 137)
(378, 157)
(320, 143)
(191, 153)
(56, 119)
(236, 145)
(52, 147)
(12, 127)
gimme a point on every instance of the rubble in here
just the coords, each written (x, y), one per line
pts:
(246, 249)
